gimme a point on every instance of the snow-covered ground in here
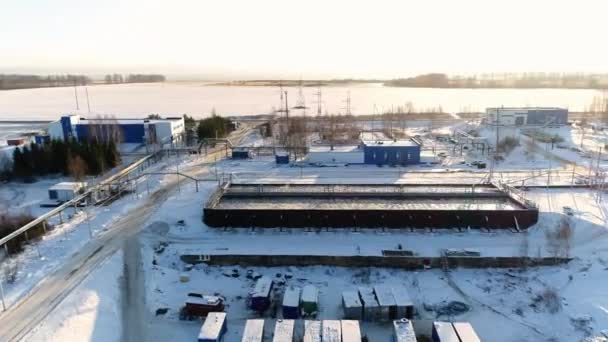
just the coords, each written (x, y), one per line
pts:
(92, 312)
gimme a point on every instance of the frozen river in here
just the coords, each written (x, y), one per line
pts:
(198, 98)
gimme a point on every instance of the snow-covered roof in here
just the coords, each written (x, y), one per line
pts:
(404, 331)
(384, 294)
(254, 330)
(351, 332)
(312, 331)
(283, 330)
(205, 300)
(402, 298)
(394, 143)
(351, 299)
(367, 297)
(310, 294)
(445, 332)
(73, 186)
(262, 287)
(465, 332)
(212, 327)
(332, 331)
(336, 148)
(291, 297)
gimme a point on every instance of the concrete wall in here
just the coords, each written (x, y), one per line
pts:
(369, 218)
(410, 263)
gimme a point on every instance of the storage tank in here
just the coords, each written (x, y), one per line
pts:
(332, 331)
(254, 331)
(312, 331)
(465, 332)
(405, 305)
(260, 295)
(371, 309)
(444, 332)
(351, 332)
(351, 304)
(283, 330)
(310, 300)
(291, 302)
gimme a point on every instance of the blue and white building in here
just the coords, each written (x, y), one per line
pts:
(128, 130)
(527, 116)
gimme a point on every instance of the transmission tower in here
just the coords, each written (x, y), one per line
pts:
(319, 102)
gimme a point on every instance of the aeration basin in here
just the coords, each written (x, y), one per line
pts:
(369, 206)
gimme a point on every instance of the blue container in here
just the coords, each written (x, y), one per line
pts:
(282, 158)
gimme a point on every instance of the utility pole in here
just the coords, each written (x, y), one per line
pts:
(86, 90)
(76, 96)
(319, 101)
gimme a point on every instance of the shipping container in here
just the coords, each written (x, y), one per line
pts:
(312, 331)
(351, 303)
(371, 309)
(291, 302)
(403, 331)
(283, 330)
(240, 153)
(310, 300)
(260, 296)
(351, 332)
(214, 328)
(465, 332)
(332, 331)
(254, 331)
(405, 306)
(444, 332)
(386, 301)
(282, 158)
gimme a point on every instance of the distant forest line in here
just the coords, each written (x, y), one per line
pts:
(439, 80)
(20, 81)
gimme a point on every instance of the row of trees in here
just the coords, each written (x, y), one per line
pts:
(12, 81)
(133, 78)
(509, 80)
(214, 127)
(74, 158)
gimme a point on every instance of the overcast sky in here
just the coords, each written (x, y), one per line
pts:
(308, 39)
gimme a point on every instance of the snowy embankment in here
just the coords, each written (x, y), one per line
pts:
(92, 312)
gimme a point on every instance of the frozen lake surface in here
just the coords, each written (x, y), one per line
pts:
(198, 98)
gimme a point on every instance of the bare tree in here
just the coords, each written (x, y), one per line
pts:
(104, 129)
(77, 167)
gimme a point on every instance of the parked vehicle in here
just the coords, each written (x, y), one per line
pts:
(351, 332)
(444, 332)
(465, 332)
(332, 331)
(198, 306)
(214, 328)
(312, 331)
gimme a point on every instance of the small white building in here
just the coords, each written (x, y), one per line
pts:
(66, 191)
(337, 154)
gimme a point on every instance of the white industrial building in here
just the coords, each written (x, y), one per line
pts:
(130, 130)
(527, 116)
(341, 154)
